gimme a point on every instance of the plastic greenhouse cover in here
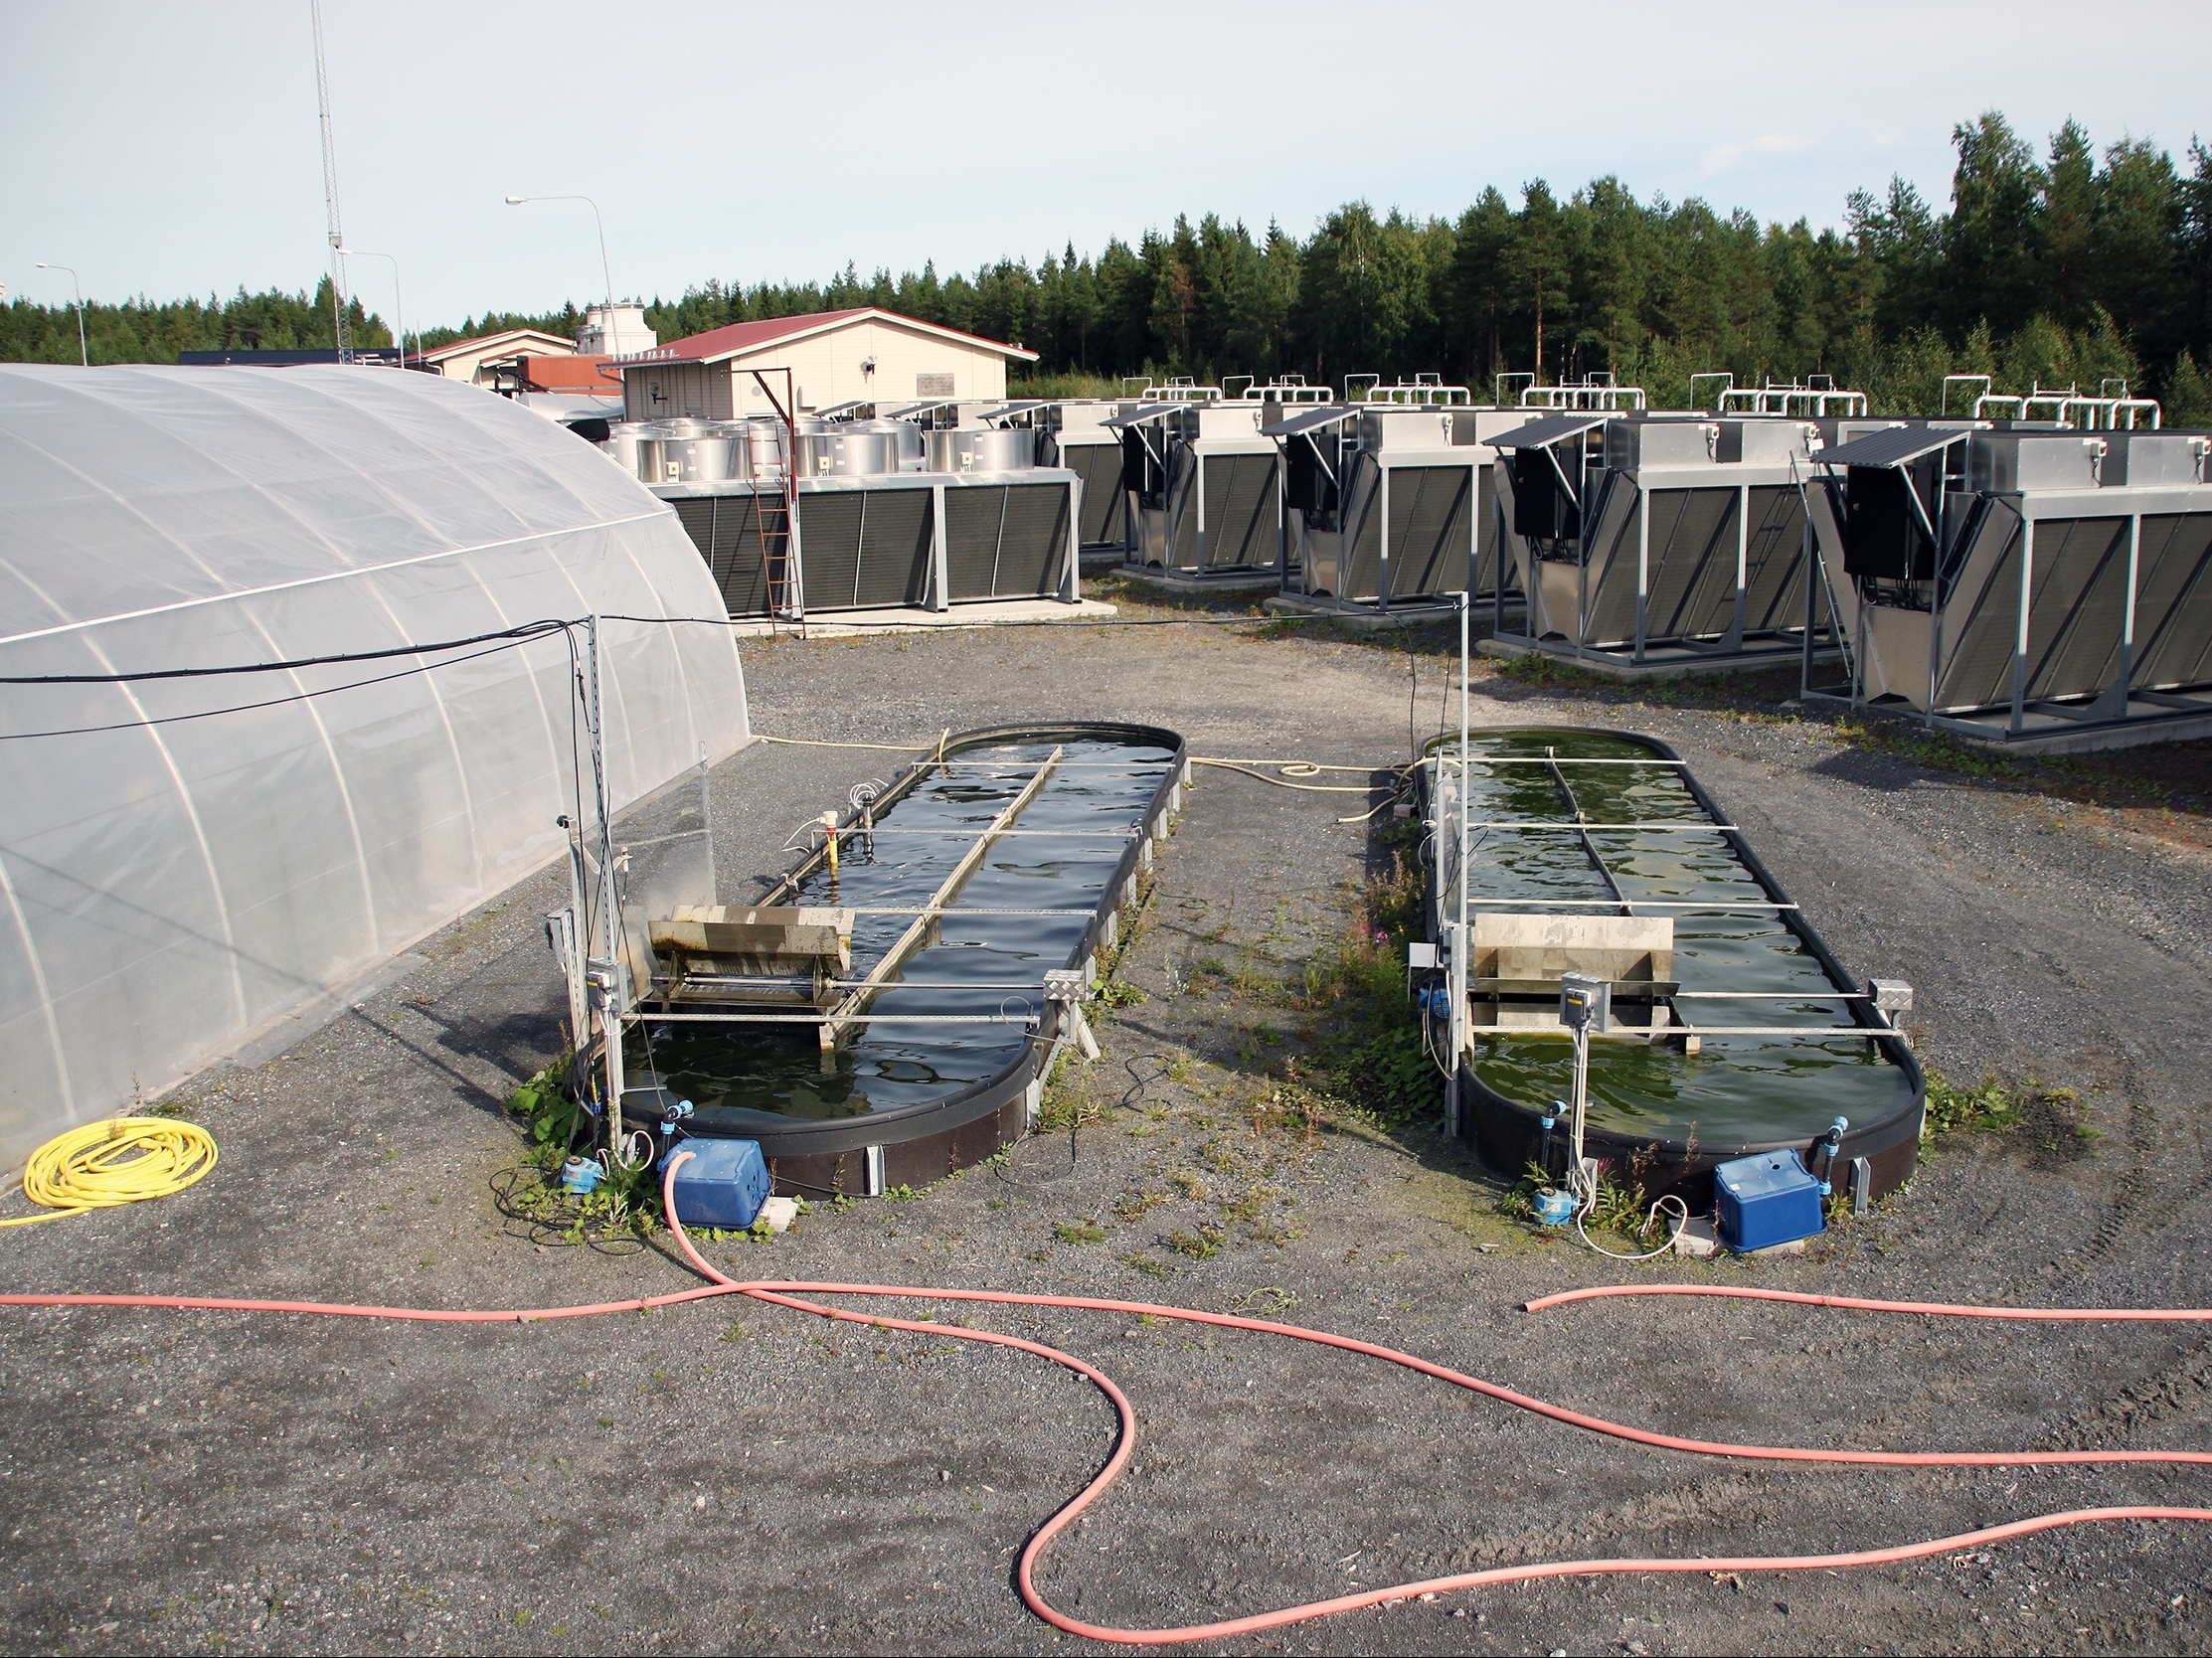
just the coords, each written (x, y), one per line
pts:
(175, 882)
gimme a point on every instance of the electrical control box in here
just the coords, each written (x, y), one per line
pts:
(1762, 1200)
(1585, 1002)
(722, 1184)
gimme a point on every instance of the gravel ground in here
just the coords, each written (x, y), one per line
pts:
(733, 1475)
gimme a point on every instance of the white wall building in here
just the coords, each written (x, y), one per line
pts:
(835, 357)
(474, 359)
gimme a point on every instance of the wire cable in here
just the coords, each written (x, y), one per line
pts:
(520, 635)
(271, 702)
(119, 1160)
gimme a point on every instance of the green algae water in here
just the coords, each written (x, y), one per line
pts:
(1074, 831)
(1741, 1090)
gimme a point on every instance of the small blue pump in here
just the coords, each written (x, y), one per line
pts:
(1765, 1200)
(1554, 1208)
(722, 1184)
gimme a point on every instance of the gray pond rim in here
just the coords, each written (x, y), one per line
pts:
(1572, 821)
(945, 1062)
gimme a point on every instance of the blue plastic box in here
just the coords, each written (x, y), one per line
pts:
(724, 1183)
(1762, 1200)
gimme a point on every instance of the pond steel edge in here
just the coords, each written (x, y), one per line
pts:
(1507, 1134)
(913, 1145)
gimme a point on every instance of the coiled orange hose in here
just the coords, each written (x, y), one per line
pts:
(788, 1294)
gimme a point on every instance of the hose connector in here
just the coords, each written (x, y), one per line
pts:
(1831, 1144)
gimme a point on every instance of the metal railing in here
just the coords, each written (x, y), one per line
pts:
(1424, 391)
(1592, 394)
(2068, 405)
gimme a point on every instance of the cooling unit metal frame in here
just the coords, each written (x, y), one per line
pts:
(2051, 588)
(1387, 504)
(1668, 540)
(1204, 491)
(895, 540)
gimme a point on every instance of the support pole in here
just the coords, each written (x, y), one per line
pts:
(1456, 983)
(613, 1002)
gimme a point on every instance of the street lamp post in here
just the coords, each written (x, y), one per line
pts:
(398, 300)
(605, 269)
(83, 356)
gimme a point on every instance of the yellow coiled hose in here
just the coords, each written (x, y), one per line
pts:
(115, 1161)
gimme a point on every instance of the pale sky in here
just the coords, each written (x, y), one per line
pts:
(171, 150)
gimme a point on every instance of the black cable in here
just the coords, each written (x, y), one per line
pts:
(1147, 621)
(272, 701)
(521, 634)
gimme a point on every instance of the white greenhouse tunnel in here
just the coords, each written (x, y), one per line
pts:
(179, 869)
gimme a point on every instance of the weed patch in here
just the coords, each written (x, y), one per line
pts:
(1999, 1107)
(1202, 1245)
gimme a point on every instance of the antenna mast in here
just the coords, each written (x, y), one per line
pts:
(338, 305)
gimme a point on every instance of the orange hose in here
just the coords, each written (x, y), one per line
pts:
(787, 1294)
(1944, 1309)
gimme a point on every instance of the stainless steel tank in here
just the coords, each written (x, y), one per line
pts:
(986, 449)
(705, 457)
(763, 445)
(621, 445)
(905, 437)
(847, 453)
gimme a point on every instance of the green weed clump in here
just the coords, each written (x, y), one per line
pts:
(1202, 1245)
(1996, 1108)
(1624, 1207)
(1937, 751)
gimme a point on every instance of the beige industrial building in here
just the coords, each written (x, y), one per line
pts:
(835, 357)
(604, 332)
(474, 359)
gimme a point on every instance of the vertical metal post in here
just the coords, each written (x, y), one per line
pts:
(1743, 563)
(610, 913)
(1070, 588)
(1200, 545)
(941, 577)
(2021, 644)
(1643, 563)
(1581, 1103)
(1455, 984)
(1382, 537)
(1498, 557)
(2128, 619)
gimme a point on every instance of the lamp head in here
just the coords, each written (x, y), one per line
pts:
(516, 201)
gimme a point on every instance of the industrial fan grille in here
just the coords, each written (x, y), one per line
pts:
(1243, 529)
(1429, 530)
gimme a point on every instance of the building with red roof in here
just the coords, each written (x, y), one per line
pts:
(833, 357)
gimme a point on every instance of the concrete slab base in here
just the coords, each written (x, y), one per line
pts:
(2061, 737)
(1362, 622)
(849, 624)
(1239, 581)
(1697, 1238)
(1675, 664)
